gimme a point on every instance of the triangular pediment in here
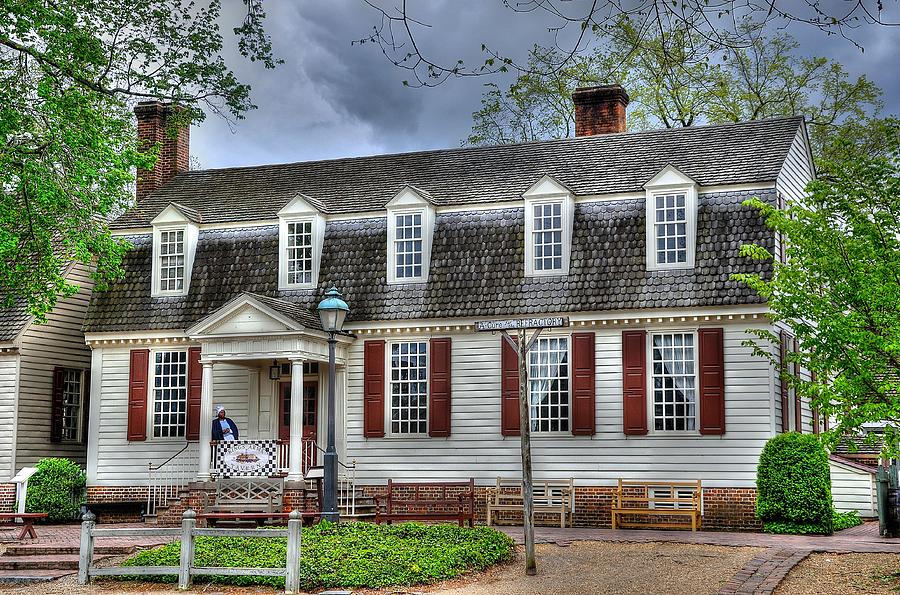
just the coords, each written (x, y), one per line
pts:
(547, 186)
(176, 213)
(244, 315)
(302, 204)
(670, 176)
(410, 196)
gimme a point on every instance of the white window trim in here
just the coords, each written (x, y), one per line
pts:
(318, 238)
(651, 425)
(427, 235)
(388, 432)
(191, 234)
(670, 181)
(151, 395)
(79, 419)
(556, 433)
(567, 210)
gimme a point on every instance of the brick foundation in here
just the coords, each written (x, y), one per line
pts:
(7, 497)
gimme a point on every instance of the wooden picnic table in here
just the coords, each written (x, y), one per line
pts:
(27, 519)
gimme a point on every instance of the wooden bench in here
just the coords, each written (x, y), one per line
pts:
(258, 518)
(658, 498)
(552, 497)
(260, 497)
(447, 501)
(27, 519)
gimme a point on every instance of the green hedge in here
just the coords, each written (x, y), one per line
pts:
(57, 488)
(793, 483)
(351, 555)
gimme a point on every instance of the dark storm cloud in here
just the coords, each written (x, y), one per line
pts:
(331, 99)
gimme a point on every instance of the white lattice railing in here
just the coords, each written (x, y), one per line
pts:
(166, 480)
(347, 488)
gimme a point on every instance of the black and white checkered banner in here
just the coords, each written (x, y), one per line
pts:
(246, 458)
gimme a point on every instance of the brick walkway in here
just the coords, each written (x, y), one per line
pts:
(762, 574)
(70, 536)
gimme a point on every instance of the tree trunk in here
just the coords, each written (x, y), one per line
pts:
(525, 431)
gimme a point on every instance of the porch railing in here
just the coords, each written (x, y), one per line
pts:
(310, 454)
(166, 480)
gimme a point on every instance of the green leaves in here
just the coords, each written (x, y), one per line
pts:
(57, 488)
(70, 73)
(352, 554)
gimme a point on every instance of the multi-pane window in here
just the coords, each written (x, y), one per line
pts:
(409, 387)
(547, 237)
(71, 404)
(171, 260)
(674, 382)
(299, 252)
(169, 394)
(408, 246)
(548, 378)
(671, 228)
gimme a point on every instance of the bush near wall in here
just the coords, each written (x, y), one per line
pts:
(793, 483)
(57, 488)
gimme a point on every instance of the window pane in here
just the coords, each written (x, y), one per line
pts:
(171, 260)
(548, 382)
(299, 255)
(408, 246)
(671, 229)
(547, 237)
(170, 394)
(674, 389)
(71, 402)
(409, 388)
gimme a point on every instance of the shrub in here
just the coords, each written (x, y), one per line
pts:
(353, 555)
(57, 488)
(845, 520)
(793, 484)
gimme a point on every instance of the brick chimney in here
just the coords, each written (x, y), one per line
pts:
(599, 110)
(152, 123)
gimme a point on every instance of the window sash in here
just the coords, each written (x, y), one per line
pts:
(547, 237)
(169, 394)
(171, 260)
(670, 228)
(72, 391)
(408, 245)
(408, 412)
(674, 381)
(299, 256)
(548, 385)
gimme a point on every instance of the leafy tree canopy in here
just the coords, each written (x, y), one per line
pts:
(839, 289)
(70, 73)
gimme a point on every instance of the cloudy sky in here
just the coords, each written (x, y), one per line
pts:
(332, 99)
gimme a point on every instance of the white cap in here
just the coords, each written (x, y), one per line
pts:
(219, 409)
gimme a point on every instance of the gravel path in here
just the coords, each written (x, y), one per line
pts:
(842, 574)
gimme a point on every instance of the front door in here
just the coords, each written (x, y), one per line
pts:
(310, 410)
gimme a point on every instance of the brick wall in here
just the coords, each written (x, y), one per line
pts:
(7, 497)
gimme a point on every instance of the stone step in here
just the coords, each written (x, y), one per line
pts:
(52, 550)
(13, 577)
(53, 562)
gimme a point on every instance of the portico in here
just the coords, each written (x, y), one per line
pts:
(273, 339)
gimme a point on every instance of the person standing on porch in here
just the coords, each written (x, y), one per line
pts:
(223, 428)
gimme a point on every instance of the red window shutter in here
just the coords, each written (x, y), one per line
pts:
(583, 398)
(634, 382)
(56, 405)
(798, 403)
(712, 380)
(373, 392)
(85, 405)
(785, 389)
(137, 394)
(439, 388)
(195, 387)
(509, 389)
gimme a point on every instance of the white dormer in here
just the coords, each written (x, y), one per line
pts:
(301, 232)
(671, 207)
(410, 218)
(175, 232)
(549, 216)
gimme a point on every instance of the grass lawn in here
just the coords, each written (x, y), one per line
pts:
(349, 554)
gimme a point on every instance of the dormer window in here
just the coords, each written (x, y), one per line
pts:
(410, 229)
(671, 220)
(549, 215)
(300, 238)
(175, 234)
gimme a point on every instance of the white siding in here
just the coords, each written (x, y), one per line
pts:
(57, 342)
(797, 170)
(853, 489)
(476, 448)
(9, 369)
(119, 462)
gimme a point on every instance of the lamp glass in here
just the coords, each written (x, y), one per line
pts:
(274, 372)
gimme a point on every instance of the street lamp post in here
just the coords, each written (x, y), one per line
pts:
(332, 312)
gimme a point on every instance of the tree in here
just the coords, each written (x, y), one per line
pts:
(69, 74)
(678, 79)
(839, 287)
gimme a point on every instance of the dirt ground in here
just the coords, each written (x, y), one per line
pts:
(843, 574)
(583, 567)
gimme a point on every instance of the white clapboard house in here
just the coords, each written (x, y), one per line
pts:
(632, 236)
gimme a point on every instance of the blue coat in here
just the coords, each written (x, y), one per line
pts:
(217, 433)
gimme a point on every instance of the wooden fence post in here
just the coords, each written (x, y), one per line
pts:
(292, 568)
(86, 551)
(188, 524)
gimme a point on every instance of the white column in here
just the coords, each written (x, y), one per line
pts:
(295, 463)
(206, 416)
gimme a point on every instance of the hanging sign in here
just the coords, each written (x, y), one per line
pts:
(248, 458)
(522, 323)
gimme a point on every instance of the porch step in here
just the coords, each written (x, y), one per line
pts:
(60, 550)
(56, 562)
(19, 577)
